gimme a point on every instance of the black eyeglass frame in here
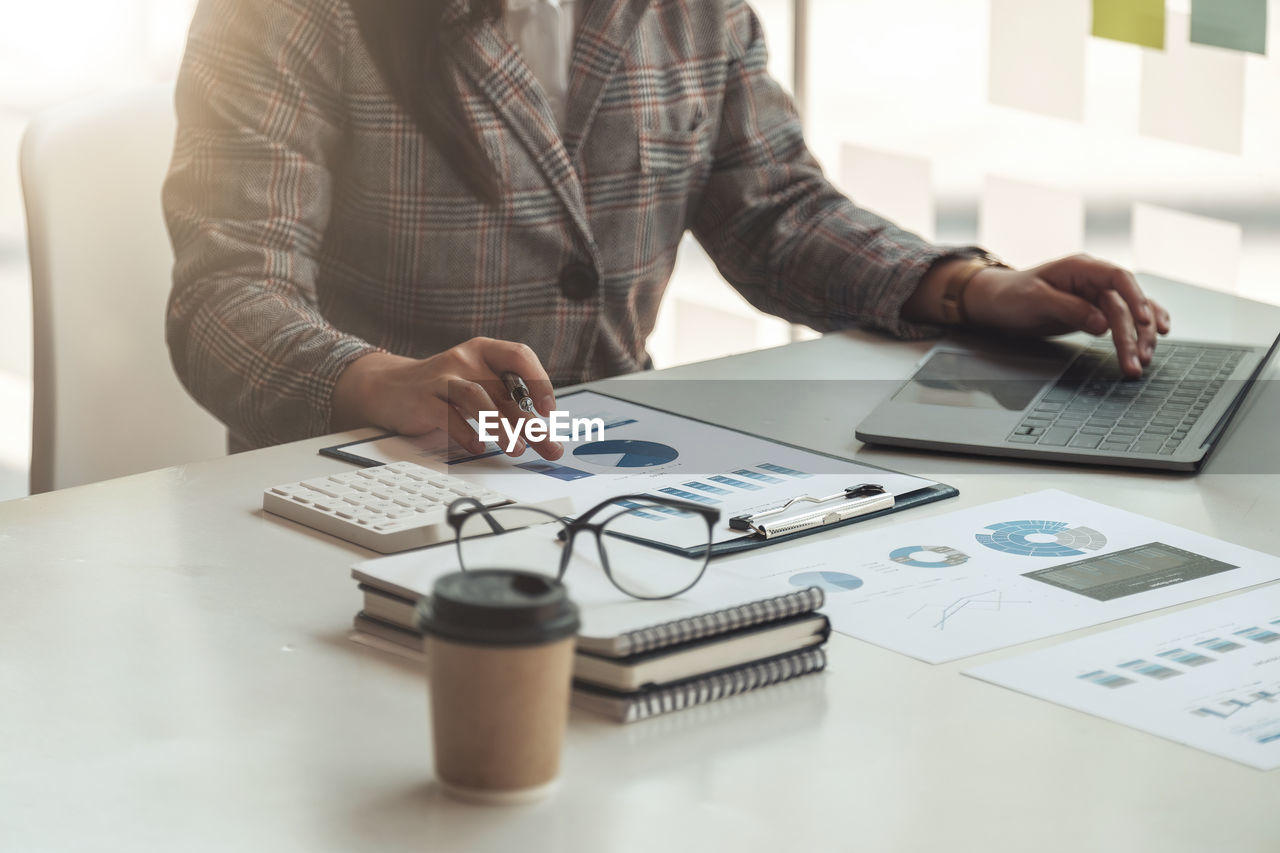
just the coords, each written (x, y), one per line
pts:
(462, 509)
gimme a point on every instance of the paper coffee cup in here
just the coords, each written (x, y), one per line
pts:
(499, 649)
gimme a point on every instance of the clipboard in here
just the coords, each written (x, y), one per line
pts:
(834, 510)
(750, 542)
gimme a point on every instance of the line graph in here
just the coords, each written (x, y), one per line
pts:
(991, 601)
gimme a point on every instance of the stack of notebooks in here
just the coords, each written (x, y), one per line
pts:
(635, 659)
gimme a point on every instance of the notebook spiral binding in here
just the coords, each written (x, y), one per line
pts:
(720, 621)
(722, 685)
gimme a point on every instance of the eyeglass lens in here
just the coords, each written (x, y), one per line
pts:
(532, 540)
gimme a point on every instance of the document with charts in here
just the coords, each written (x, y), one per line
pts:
(1208, 676)
(953, 585)
(648, 451)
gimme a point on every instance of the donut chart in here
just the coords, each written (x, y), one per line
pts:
(1040, 538)
(906, 555)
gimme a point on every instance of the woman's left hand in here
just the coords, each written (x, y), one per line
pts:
(1078, 293)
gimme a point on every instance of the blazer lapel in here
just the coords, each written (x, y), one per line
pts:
(495, 67)
(603, 33)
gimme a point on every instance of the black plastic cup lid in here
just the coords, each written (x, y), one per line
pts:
(498, 607)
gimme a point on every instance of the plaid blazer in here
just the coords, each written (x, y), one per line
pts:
(312, 223)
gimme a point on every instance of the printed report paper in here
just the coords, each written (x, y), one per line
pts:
(1208, 676)
(945, 587)
(648, 451)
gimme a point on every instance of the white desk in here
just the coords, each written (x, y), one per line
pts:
(175, 675)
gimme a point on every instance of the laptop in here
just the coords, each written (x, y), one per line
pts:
(1069, 402)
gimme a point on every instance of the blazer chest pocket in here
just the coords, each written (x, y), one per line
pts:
(667, 152)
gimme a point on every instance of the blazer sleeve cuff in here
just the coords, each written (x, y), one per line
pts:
(886, 289)
(346, 350)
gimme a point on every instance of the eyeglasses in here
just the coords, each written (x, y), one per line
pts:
(649, 547)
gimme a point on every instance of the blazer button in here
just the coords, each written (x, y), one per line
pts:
(578, 282)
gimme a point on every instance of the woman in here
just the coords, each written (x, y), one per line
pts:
(379, 206)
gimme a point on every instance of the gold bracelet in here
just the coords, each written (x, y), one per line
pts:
(953, 311)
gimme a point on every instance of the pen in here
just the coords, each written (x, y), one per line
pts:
(519, 393)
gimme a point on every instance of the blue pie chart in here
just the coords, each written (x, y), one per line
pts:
(626, 453)
(829, 581)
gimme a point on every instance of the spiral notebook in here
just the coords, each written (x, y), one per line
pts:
(391, 618)
(629, 706)
(639, 705)
(613, 624)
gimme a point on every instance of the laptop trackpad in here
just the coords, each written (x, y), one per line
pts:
(979, 380)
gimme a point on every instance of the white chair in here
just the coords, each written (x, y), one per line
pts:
(106, 401)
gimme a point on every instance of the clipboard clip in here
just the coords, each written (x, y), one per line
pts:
(861, 499)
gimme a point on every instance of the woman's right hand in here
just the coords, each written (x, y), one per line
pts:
(416, 396)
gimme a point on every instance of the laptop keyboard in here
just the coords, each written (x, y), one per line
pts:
(1093, 407)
